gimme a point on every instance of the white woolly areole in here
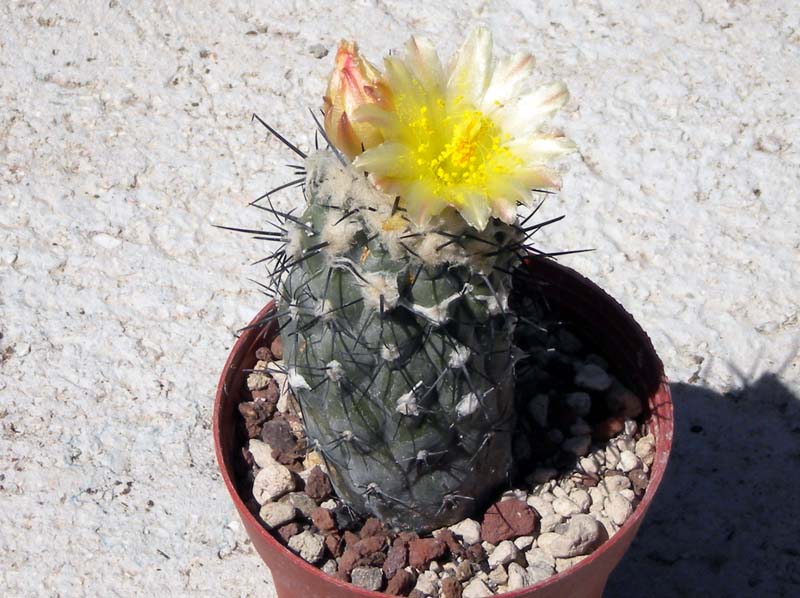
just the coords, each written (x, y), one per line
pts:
(296, 380)
(407, 403)
(459, 357)
(334, 370)
(339, 234)
(294, 241)
(379, 285)
(468, 405)
(437, 313)
(324, 310)
(389, 353)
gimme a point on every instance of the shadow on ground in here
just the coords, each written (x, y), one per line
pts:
(726, 521)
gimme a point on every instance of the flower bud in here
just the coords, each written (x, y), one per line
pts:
(354, 82)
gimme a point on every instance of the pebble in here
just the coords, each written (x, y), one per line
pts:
(589, 464)
(468, 530)
(498, 576)
(580, 428)
(318, 485)
(581, 498)
(639, 479)
(543, 506)
(272, 482)
(538, 408)
(428, 583)
(275, 514)
(369, 578)
(323, 519)
(612, 484)
(476, 589)
(618, 508)
(329, 504)
(564, 564)
(623, 402)
(318, 51)
(543, 474)
(612, 457)
(261, 451)
(550, 522)
(628, 461)
(308, 545)
(506, 520)
(577, 445)
(646, 449)
(302, 502)
(581, 536)
(401, 583)
(517, 577)
(565, 507)
(580, 403)
(329, 567)
(592, 377)
(536, 573)
(504, 553)
(536, 557)
(423, 551)
(524, 542)
(258, 380)
(451, 588)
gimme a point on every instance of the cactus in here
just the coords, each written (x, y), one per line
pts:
(393, 282)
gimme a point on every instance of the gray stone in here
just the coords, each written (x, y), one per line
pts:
(549, 522)
(580, 403)
(581, 498)
(541, 505)
(592, 377)
(538, 407)
(302, 501)
(582, 535)
(476, 589)
(261, 451)
(618, 508)
(498, 576)
(275, 514)
(428, 583)
(272, 482)
(504, 553)
(524, 542)
(517, 577)
(577, 445)
(318, 51)
(565, 507)
(628, 461)
(468, 530)
(369, 578)
(646, 449)
(330, 567)
(308, 545)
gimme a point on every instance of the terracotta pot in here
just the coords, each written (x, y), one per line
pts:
(602, 322)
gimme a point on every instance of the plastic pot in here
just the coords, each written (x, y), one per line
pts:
(595, 316)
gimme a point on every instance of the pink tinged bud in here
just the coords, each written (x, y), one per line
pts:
(354, 82)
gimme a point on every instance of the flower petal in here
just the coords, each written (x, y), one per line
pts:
(384, 160)
(531, 110)
(421, 203)
(541, 148)
(507, 81)
(425, 64)
(471, 68)
(475, 210)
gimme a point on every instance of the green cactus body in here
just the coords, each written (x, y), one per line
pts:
(398, 345)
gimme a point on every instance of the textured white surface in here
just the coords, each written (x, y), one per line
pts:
(125, 133)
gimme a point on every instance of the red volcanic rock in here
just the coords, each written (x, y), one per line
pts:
(421, 552)
(506, 520)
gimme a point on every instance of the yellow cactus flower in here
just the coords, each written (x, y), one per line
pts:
(467, 136)
(354, 82)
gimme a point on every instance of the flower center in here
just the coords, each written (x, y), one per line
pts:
(462, 148)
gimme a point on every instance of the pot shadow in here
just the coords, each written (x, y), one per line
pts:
(726, 520)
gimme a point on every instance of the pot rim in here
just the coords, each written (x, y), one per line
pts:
(661, 397)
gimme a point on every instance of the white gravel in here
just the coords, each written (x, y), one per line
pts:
(125, 134)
